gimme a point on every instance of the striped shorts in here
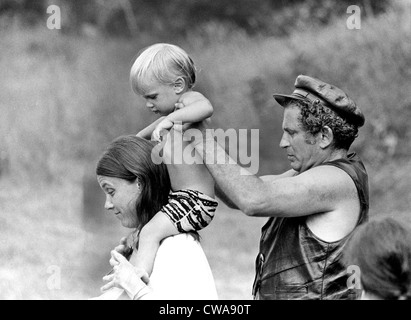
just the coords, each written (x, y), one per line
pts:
(190, 210)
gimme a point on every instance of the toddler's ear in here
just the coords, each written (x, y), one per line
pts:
(179, 85)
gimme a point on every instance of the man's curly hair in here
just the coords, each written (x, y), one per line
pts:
(315, 116)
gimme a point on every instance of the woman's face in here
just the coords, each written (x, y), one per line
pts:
(121, 197)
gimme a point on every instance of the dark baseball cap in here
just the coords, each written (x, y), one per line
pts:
(314, 90)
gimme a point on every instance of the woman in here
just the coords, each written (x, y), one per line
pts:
(136, 189)
(382, 251)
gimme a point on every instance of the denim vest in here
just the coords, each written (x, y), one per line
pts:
(295, 264)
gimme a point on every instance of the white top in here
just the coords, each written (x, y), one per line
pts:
(181, 272)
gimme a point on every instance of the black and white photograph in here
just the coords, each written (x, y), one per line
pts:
(230, 150)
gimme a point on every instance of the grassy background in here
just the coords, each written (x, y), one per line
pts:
(64, 97)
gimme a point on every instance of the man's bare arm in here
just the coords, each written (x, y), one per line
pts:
(220, 194)
(305, 194)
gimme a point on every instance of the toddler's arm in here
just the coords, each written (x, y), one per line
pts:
(157, 229)
(196, 108)
(147, 131)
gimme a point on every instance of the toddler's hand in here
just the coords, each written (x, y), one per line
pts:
(163, 125)
(178, 105)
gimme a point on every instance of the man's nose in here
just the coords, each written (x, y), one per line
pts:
(149, 105)
(108, 204)
(284, 142)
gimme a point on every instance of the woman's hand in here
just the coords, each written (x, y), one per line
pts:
(123, 248)
(125, 275)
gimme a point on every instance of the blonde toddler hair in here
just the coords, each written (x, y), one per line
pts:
(165, 62)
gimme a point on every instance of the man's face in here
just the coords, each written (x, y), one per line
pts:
(302, 149)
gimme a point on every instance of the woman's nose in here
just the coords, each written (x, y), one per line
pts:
(149, 105)
(108, 205)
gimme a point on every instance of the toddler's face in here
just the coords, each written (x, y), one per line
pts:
(160, 98)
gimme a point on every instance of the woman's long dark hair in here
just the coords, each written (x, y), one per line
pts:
(129, 158)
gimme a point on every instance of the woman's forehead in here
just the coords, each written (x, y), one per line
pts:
(102, 180)
(112, 181)
(109, 181)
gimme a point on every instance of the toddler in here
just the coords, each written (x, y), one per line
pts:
(164, 75)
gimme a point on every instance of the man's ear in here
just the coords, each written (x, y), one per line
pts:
(326, 137)
(179, 85)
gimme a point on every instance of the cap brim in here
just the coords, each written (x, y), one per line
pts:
(282, 98)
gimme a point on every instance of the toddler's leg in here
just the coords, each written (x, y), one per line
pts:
(157, 229)
(202, 211)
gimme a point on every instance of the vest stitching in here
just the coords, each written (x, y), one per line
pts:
(325, 267)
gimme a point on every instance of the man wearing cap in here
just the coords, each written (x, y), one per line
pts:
(312, 208)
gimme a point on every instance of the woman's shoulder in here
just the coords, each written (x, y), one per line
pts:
(182, 239)
(181, 270)
(179, 248)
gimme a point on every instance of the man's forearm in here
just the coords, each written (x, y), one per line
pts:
(241, 189)
(222, 196)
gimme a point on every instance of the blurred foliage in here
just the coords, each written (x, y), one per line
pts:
(65, 94)
(179, 17)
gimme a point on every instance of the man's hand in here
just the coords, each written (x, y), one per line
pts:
(202, 126)
(198, 131)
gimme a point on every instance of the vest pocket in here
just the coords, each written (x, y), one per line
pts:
(284, 292)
